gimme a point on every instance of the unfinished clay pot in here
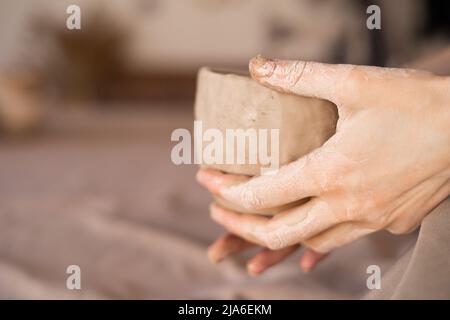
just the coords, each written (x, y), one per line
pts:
(230, 101)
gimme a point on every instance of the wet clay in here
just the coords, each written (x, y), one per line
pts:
(231, 101)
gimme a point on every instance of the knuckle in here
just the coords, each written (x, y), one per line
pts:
(375, 221)
(251, 200)
(330, 169)
(353, 83)
(294, 73)
(352, 214)
(352, 209)
(274, 246)
(400, 228)
(355, 78)
(274, 241)
(394, 230)
(317, 246)
(383, 221)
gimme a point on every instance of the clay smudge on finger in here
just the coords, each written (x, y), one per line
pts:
(305, 78)
(262, 67)
(280, 74)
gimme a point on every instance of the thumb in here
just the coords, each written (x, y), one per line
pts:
(311, 79)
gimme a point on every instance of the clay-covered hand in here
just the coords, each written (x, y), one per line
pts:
(230, 244)
(387, 166)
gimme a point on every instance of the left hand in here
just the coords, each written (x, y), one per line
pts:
(230, 244)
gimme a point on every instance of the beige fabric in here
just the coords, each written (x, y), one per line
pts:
(423, 271)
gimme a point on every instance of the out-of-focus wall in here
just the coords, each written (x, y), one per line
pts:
(18, 38)
(186, 34)
(153, 48)
(183, 35)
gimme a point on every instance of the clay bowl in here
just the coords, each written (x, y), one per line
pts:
(231, 101)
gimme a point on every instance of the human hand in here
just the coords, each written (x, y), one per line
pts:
(230, 244)
(387, 166)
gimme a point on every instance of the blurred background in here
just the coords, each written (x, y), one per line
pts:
(85, 123)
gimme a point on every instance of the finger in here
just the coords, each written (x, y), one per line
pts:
(334, 82)
(337, 236)
(312, 175)
(227, 245)
(238, 224)
(214, 180)
(286, 228)
(311, 79)
(268, 258)
(310, 259)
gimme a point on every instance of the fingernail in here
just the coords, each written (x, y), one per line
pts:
(306, 266)
(202, 177)
(253, 269)
(214, 257)
(212, 181)
(261, 67)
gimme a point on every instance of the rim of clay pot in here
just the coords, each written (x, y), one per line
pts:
(224, 71)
